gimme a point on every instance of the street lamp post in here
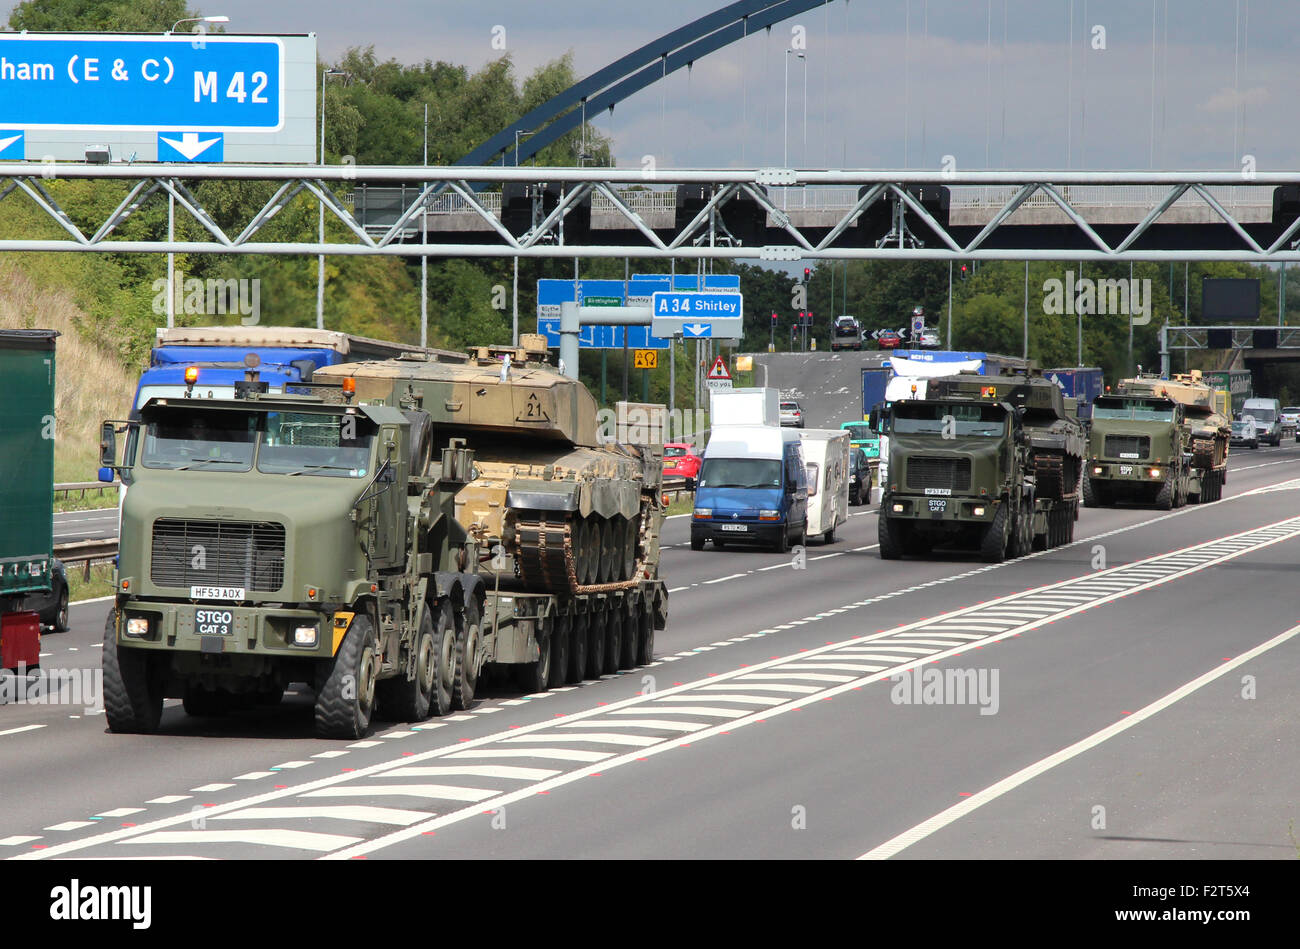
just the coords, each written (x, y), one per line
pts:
(320, 220)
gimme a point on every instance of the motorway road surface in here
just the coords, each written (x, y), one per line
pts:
(1132, 695)
(72, 526)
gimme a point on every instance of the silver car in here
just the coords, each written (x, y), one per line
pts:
(791, 413)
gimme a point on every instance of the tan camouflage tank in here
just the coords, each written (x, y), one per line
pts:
(1208, 412)
(556, 510)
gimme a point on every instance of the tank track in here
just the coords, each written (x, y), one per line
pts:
(1053, 477)
(545, 558)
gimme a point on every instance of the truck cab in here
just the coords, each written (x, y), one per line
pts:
(752, 489)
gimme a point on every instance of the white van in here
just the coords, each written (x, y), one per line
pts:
(1268, 418)
(826, 459)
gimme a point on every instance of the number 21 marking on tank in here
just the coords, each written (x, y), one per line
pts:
(533, 411)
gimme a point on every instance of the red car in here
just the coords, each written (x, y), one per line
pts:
(680, 461)
(889, 339)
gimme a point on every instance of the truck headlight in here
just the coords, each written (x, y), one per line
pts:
(137, 626)
(1096, 469)
(979, 510)
(1155, 472)
(704, 512)
(304, 635)
(898, 507)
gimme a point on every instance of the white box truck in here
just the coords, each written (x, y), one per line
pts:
(826, 459)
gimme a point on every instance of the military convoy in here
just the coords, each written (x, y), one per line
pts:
(992, 462)
(1161, 441)
(387, 538)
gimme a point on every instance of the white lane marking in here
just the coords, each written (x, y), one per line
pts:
(369, 743)
(787, 676)
(212, 787)
(677, 589)
(887, 645)
(644, 723)
(399, 733)
(487, 710)
(991, 793)
(18, 839)
(168, 799)
(750, 686)
(355, 812)
(707, 710)
(475, 771)
(731, 697)
(563, 754)
(254, 775)
(329, 754)
(841, 666)
(70, 825)
(289, 765)
(21, 728)
(448, 792)
(271, 837)
(121, 812)
(598, 738)
(982, 627)
(944, 643)
(523, 701)
(734, 576)
(422, 727)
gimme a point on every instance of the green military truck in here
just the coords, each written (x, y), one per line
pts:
(345, 539)
(1158, 441)
(991, 462)
(26, 490)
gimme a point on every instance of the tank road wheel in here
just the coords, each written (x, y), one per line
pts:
(631, 630)
(132, 687)
(605, 573)
(469, 640)
(593, 549)
(536, 676)
(887, 532)
(613, 637)
(578, 648)
(582, 549)
(993, 548)
(596, 642)
(1089, 493)
(631, 535)
(562, 637)
(1165, 496)
(645, 640)
(346, 701)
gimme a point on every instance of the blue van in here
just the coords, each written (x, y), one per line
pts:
(752, 489)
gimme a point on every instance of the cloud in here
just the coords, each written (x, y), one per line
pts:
(1226, 100)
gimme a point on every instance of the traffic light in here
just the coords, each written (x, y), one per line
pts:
(963, 271)
(807, 274)
(774, 319)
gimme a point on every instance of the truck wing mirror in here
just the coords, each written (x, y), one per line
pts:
(108, 445)
(873, 422)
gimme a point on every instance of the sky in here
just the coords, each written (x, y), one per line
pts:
(1017, 84)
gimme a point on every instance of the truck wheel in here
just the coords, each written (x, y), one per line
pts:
(578, 648)
(132, 687)
(887, 532)
(645, 640)
(1089, 493)
(1165, 496)
(346, 701)
(631, 632)
(993, 547)
(613, 638)
(829, 536)
(561, 638)
(535, 676)
(596, 643)
(404, 700)
(469, 640)
(697, 542)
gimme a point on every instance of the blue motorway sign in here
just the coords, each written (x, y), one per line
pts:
(191, 146)
(697, 315)
(683, 281)
(11, 145)
(191, 82)
(635, 292)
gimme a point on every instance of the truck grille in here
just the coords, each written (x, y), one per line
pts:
(1120, 446)
(951, 473)
(217, 553)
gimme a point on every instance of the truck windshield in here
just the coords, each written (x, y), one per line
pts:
(314, 443)
(740, 473)
(195, 439)
(948, 420)
(861, 432)
(1134, 411)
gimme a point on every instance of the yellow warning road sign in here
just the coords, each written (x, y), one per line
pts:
(645, 359)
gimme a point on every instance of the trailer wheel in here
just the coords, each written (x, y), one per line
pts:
(577, 670)
(631, 634)
(561, 640)
(346, 701)
(535, 676)
(469, 640)
(411, 700)
(613, 638)
(596, 620)
(133, 690)
(645, 640)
